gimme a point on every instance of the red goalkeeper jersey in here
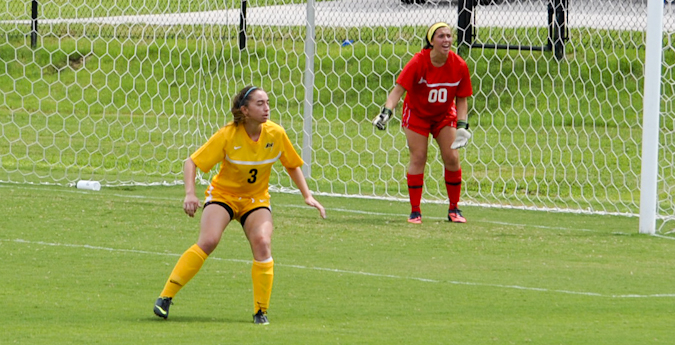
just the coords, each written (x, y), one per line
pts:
(430, 90)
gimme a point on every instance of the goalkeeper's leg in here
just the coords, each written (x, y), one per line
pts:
(418, 146)
(453, 173)
(453, 185)
(415, 188)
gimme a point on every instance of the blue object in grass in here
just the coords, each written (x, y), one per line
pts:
(347, 43)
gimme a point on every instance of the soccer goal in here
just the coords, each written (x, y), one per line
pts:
(556, 22)
(123, 94)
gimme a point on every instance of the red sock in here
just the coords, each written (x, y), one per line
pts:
(415, 188)
(453, 184)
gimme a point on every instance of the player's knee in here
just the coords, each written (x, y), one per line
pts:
(261, 241)
(451, 159)
(207, 246)
(261, 246)
(418, 160)
(208, 243)
(451, 162)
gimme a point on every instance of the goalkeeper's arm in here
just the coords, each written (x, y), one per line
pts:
(462, 134)
(380, 121)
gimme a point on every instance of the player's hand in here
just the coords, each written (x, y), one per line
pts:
(381, 120)
(462, 135)
(191, 205)
(312, 202)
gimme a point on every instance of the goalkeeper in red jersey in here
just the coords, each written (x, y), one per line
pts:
(437, 83)
(246, 149)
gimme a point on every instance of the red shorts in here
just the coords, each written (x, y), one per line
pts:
(426, 125)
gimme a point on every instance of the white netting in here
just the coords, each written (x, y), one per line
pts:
(122, 93)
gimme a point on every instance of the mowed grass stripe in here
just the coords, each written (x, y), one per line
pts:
(323, 269)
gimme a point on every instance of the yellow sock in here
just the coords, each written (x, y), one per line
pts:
(187, 266)
(263, 276)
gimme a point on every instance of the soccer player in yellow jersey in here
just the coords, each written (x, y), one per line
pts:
(246, 149)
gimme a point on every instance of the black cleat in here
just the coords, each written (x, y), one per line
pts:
(162, 305)
(260, 318)
(415, 218)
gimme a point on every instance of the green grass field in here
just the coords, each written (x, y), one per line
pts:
(126, 104)
(85, 267)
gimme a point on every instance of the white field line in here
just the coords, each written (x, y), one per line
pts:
(393, 215)
(378, 275)
(126, 196)
(402, 216)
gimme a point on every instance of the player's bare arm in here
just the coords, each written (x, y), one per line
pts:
(191, 202)
(462, 105)
(394, 97)
(299, 179)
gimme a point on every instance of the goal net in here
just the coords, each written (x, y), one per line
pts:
(122, 93)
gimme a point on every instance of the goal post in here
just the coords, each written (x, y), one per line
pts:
(650, 127)
(308, 83)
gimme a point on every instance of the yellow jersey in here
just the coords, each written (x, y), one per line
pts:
(246, 165)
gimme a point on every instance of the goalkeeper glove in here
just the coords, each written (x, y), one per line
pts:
(381, 120)
(462, 135)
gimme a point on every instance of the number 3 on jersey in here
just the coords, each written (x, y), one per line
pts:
(253, 177)
(438, 95)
